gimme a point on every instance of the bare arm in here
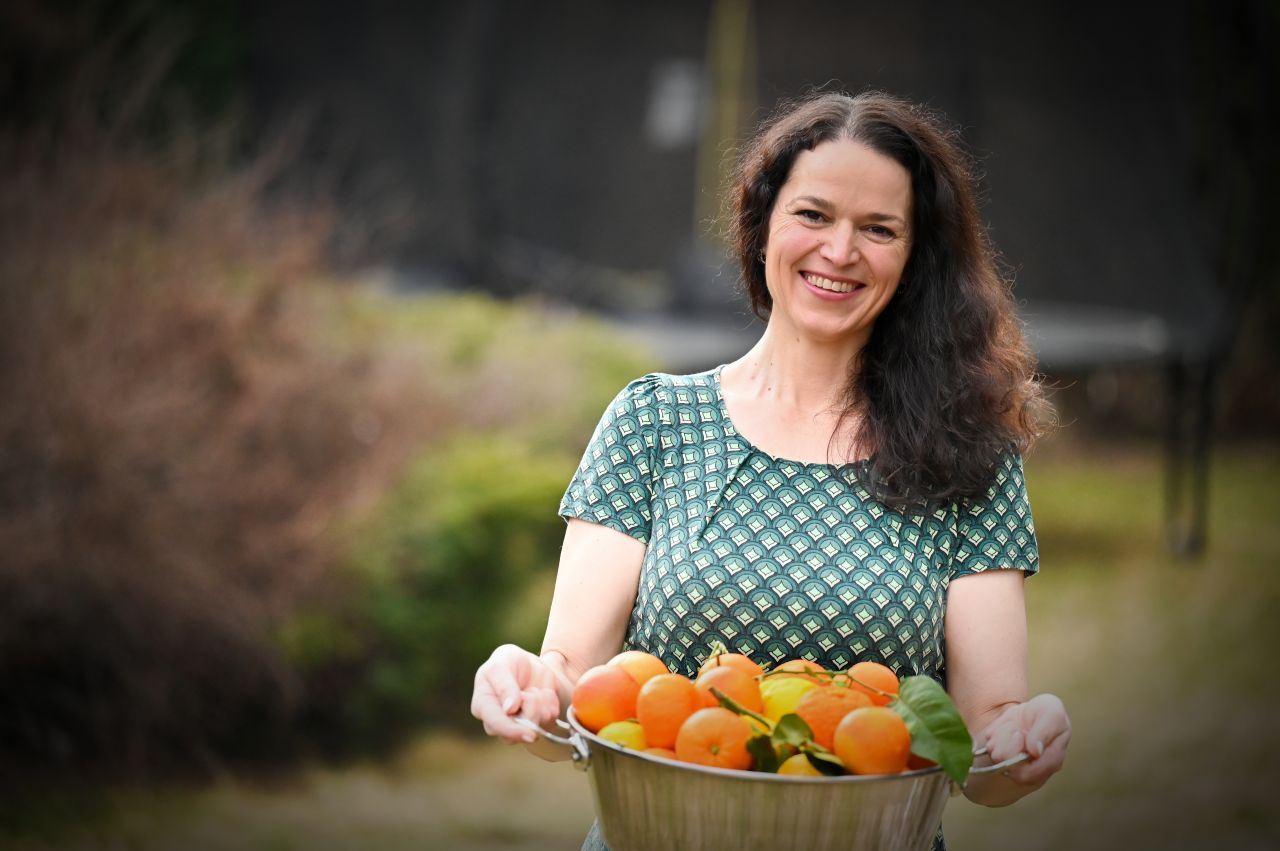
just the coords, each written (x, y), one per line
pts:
(986, 638)
(595, 590)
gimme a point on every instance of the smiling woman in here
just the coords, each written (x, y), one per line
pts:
(943, 383)
(848, 490)
(837, 243)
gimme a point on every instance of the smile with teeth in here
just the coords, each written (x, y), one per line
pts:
(828, 284)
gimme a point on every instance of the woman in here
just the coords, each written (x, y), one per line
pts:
(849, 489)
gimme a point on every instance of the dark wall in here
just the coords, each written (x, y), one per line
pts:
(513, 131)
(504, 125)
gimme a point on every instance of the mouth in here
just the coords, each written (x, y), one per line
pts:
(832, 285)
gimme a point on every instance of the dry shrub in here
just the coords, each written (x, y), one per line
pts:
(176, 440)
(230, 523)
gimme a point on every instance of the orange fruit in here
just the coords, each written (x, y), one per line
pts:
(798, 668)
(873, 740)
(715, 736)
(663, 704)
(665, 753)
(877, 676)
(640, 665)
(604, 694)
(798, 766)
(734, 684)
(917, 762)
(732, 660)
(824, 707)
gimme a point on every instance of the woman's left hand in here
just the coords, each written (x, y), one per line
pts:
(1039, 728)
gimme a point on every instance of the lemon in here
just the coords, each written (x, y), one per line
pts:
(781, 694)
(799, 766)
(629, 734)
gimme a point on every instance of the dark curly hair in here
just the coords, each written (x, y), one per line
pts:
(946, 382)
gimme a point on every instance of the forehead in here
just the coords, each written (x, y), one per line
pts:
(845, 172)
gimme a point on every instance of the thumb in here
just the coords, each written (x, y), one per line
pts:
(506, 689)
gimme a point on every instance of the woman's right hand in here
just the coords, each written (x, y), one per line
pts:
(514, 682)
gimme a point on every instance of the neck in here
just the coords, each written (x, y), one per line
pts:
(799, 374)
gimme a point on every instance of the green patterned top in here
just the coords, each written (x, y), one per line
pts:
(775, 558)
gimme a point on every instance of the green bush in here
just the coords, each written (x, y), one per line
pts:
(436, 575)
(459, 555)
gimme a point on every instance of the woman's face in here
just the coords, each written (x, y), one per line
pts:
(839, 237)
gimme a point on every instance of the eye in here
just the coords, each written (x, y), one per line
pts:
(811, 215)
(880, 233)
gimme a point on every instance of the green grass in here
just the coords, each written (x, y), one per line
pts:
(1166, 666)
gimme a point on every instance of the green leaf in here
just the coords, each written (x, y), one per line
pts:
(791, 730)
(937, 730)
(823, 760)
(761, 749)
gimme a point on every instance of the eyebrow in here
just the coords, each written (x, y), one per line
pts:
(825, 205)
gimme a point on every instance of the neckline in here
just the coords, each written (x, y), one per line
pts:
(731, 429)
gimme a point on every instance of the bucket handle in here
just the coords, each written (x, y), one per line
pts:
(578, 750)
(957, 788)
(999, 766)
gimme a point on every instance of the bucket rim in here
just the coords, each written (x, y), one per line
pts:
(743, 775)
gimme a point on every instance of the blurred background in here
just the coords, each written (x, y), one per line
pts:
(307, 311)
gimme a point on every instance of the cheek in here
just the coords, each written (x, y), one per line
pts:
(891, 263)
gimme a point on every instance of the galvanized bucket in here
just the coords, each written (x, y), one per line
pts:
(645, 803)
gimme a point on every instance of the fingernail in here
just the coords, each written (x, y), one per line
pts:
(1039, 748)
(507, 704)
(529, 738)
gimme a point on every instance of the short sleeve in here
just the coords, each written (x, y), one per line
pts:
(997, 531)
(613, 485)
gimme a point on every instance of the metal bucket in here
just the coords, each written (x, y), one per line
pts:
(644, 803)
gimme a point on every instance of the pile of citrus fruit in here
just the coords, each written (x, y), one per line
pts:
(795, 718)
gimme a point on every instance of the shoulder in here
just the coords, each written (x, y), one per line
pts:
(1007, 474)
(1004, 477)
(667, 385)
(670, 397)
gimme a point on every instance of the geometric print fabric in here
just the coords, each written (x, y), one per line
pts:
(779, 559)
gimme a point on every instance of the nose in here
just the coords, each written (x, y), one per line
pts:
(841, 245)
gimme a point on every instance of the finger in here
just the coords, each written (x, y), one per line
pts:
(540, 705)
(497, 697)
(1044, 731)
(1036, 771)
(507, 689)
(995, 730)
(502, 725)
(1005, 743)
(483, 696)
(488, 706)
(508, 730)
